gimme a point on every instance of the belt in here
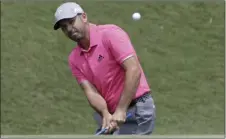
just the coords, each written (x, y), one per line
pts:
(142, 98)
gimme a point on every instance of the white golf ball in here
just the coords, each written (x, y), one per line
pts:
(136, 16)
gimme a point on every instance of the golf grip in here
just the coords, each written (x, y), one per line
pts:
(105, 129)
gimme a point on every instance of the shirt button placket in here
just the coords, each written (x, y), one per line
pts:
(88, 61)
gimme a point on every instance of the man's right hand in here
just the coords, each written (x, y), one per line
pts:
(99, 104)
(108, 122)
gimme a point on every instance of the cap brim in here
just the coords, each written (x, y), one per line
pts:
(56, 26)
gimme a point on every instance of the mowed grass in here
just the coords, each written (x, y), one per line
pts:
(180, 45)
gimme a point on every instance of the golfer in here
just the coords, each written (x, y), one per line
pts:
(106, 66)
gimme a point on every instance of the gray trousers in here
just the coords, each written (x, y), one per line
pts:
(141, 122)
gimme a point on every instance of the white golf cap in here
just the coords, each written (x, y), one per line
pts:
(65, 11)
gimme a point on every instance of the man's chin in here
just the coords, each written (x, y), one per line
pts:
(78, 39)
(75, 39)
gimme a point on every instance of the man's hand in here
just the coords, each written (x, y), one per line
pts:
(119, 116)
(99, 104)
(108, 122)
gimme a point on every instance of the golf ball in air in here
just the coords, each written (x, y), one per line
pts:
(136, 16)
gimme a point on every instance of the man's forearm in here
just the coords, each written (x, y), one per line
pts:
(132, 80)
(98, 103)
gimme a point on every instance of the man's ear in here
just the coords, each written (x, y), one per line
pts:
(84, 17)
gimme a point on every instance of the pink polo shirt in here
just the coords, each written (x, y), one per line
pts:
(100, 65)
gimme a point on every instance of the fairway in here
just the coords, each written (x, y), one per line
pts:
(180, 46)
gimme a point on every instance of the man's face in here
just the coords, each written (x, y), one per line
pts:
(74, 28)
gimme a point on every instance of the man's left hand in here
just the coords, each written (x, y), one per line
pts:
(119, 117)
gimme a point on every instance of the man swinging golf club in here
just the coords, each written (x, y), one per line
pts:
(106, 66)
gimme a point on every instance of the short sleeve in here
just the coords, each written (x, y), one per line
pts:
(119, 44)
(77, 73)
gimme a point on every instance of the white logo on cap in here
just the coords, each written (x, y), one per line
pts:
(59, 12)
(75, 10)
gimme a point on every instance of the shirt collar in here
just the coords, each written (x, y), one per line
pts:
(94, 38)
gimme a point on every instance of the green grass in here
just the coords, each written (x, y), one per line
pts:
(180, 45)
